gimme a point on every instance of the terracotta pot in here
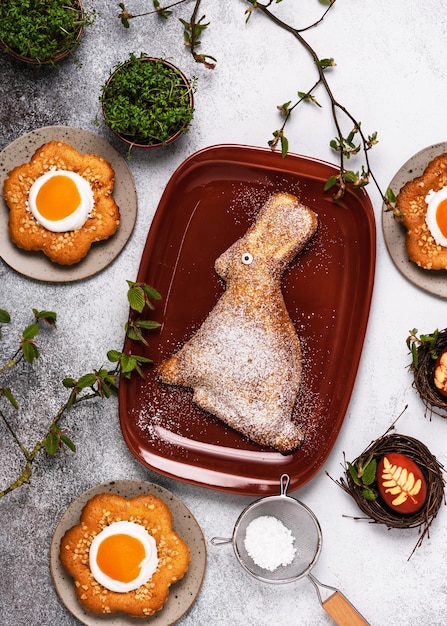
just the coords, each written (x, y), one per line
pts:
(128, 139)
(58, 56)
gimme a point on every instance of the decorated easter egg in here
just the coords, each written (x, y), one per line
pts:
(440, 373)
(401, 483)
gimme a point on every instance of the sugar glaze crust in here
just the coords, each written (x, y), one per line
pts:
(70, 247)
(244, 363)
(101, 511)
(421, 248)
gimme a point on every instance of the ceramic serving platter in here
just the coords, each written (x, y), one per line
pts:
(209, 202)
(35, 264)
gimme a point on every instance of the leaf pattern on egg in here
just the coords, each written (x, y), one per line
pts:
(399, 482)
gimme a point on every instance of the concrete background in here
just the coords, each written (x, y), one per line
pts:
(391, 73)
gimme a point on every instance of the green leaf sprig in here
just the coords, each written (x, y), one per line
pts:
(346, 145)
(27, 349)
(100, 383)
(429, 341)
(140, 296)
(192, 28)
(363, 474)
(192, 32)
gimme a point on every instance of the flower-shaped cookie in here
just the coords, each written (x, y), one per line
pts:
(412, 209)
(69, 247)
(100, 512)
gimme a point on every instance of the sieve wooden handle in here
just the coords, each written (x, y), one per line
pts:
(342, 611)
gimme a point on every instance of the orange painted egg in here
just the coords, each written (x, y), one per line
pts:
(401, 483)
(440, 373)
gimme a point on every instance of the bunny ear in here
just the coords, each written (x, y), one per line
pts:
(283, 227)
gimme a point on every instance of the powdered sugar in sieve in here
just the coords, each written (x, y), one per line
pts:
(269, 543)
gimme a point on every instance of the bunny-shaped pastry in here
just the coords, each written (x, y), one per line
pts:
(244, 363)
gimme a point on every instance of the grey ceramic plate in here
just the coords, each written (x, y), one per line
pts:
(434, 282)
(35, 264)
(182, 595)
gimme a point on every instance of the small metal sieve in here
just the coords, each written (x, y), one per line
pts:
(305, 529)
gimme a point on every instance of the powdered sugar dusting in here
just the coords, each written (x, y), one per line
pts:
(269, 543)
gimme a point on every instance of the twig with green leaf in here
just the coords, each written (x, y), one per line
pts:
(101, 383)
(192, 28)
(348, 144)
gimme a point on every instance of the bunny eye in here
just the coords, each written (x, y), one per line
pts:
(247, 258)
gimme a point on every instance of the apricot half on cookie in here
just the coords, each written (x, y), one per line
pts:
(401, 483)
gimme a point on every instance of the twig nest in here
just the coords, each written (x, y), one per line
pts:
(361, 481)
(429, 353)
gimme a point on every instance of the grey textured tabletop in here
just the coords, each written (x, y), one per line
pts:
(391, 73)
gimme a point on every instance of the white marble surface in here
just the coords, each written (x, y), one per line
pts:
(391, 74)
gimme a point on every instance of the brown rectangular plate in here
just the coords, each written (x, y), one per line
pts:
(209, 202)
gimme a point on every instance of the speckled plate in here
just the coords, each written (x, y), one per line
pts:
(435, 282)
(182, 595)
(35, 264)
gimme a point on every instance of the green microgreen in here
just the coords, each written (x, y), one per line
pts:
(42, 30)
(146, 101)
